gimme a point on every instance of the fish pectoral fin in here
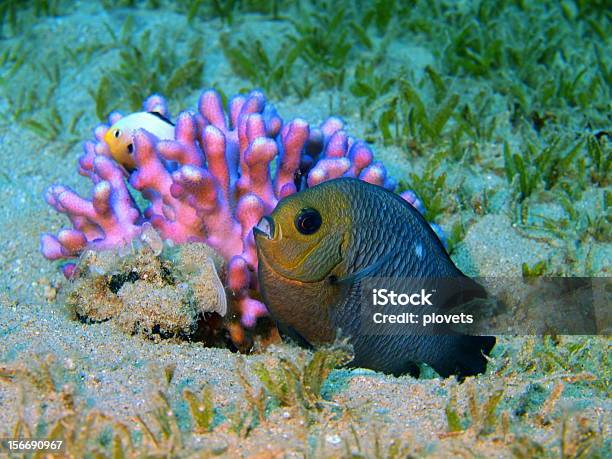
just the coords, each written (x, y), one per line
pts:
(361, 274)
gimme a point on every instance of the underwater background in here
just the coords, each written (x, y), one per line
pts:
(497, 113)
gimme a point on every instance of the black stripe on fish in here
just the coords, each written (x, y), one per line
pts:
(161, 117)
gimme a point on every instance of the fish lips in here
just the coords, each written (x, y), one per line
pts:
(265, 228)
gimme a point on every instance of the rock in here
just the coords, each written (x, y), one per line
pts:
(150, 291)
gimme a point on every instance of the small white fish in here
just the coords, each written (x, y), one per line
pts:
(119, 137)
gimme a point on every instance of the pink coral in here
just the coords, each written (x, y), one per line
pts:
(212, 183)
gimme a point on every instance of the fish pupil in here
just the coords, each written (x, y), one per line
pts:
(308, 221)
(117, 133)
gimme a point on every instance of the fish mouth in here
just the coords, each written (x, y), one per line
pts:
(264, 228)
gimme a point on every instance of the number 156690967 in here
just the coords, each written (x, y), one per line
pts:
(22, 445)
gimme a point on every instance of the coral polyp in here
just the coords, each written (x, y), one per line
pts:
(212, 183)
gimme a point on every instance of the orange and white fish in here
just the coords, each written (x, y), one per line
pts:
(119, 136)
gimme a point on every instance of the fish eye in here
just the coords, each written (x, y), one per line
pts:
(117, 133)
(130, 148)
(308, 221)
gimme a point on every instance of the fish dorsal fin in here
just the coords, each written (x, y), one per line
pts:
(365, 272)
(161, 117)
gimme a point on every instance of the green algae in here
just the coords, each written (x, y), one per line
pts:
(147, 65)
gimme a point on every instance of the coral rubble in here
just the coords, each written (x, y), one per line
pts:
(155, 293)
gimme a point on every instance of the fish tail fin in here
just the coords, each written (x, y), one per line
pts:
(463, 355)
